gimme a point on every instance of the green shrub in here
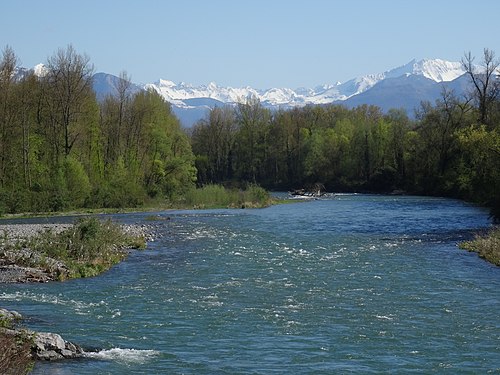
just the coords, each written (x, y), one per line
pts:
(487, 246)
(214, 196)
(209, 196)
(258, 196)
(88, 248)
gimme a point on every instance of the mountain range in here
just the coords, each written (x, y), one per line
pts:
(404, 87)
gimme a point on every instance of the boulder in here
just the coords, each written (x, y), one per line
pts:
(44, 345)
(10, 315)
(51, 347)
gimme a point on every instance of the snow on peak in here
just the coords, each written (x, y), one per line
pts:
(40, 70)
(438, 70)
(166, 83)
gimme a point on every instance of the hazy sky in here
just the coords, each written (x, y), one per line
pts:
(259, 43)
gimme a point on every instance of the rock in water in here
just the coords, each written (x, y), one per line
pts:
(51, 347)
(10, 315)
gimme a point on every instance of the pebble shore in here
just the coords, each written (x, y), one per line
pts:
(15, 232)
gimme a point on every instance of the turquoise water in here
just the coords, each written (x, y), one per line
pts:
(354, 284)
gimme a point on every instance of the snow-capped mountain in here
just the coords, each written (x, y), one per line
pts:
(432, 72)
(402, 87)
(436, 70)
(400, 90)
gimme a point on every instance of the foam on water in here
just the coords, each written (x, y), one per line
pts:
(355, 284)
(80, 307)
(123, 355)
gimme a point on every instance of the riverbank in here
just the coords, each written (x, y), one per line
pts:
(55, 252)
(50, 252)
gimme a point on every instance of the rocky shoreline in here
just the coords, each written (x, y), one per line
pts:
(44, 345)
(14, 269)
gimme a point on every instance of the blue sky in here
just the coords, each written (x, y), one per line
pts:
(259, 43)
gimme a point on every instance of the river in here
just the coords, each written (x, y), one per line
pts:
(351, 284)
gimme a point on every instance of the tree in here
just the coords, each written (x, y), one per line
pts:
(115, 119)
(8, 64)
(479, 176)
(158, 153)
(68, 86)
(399, 127)
(254, 124)
(485, 82)
(214, 138)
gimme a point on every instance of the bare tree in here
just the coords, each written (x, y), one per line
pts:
(123, 89)
(115, 110)
(8, 65)
(485, 81)
(69, 82)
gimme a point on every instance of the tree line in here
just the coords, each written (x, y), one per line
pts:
(61, 148)
(451, 148)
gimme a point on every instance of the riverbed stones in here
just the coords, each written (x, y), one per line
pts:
(15, 266)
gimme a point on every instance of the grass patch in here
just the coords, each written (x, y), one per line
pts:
(487, 246)
(217, 196)
(87, 249)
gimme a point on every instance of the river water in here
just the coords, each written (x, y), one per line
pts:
(352, 284)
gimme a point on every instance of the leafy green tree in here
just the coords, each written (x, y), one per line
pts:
(159, 148)
(251, 142)
(77, 183)
(479, 175)
(8, 104)
(214, 138)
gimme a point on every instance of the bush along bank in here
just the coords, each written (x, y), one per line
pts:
(487, 246)
(218, 196)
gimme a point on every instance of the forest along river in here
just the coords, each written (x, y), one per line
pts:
(356, 283)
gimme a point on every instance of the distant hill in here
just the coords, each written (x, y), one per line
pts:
(106, 84)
